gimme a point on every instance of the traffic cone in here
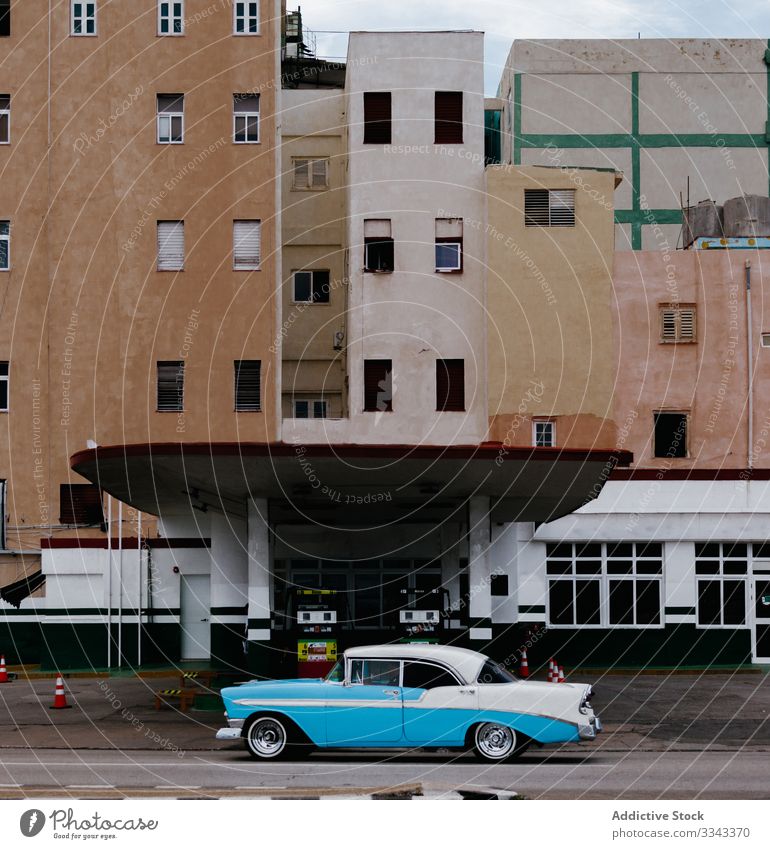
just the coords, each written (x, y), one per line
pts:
(551, 671)
(59, 699)
(562, 679)
(3, 670)
(524, 668)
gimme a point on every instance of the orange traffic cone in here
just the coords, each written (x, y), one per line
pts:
(551, 671)
(3, 671)
(562, 679)
(59, 699)
(524, 668)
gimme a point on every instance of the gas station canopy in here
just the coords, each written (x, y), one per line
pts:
(342, 485)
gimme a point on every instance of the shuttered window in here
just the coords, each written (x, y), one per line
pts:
(311, 173)
(170, 245)
(170, 118)
(80, 504)
(170, 386)
(4, 385)
(83, 18)
(678, 323)
(377, 117)
(5, 17)
(450, 385)
(248, 383)
(247, 245)
(449, 117)
(5, 118)
(5, 245)
(549, 207)
(378, 386)
(246, 118)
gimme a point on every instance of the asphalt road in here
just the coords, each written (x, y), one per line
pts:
(589, 774)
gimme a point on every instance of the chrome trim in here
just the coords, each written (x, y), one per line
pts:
(229, 734)
(235, 723)
(589, 732)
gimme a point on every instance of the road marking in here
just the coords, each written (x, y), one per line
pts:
(261, 787)
(177, 787)
(90, 786)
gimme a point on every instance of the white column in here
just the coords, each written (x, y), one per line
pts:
(260, 571)
(480, 570)
(504, 555)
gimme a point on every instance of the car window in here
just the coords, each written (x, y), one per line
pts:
(425, 676)
(493, 673)
(384, 673)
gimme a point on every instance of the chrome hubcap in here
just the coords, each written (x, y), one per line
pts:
(494, 741)
(267, 737)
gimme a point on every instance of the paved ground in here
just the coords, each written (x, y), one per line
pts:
(674, 736)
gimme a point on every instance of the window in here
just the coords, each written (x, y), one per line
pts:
(80, 504)
(83, 18)
(721, 570)
(310, 410)
(498, 586)
(379, 249)
(493, 673)
(170, 118)
(377, 673)
(5, 245)
(248, 380)
(5, 17)
(449, 244)
(544, 434)
(449, 117)
(426, 676)
(766, 340)
(604, 585)
(171, 18)
(450, 385)
(246, 18)
(378, 386)
(549, 207)
(311, 287)
(311, 174)
(5, 118)
(247, 245)
(170, 386)
(170, 245)
(671, 435)
(377, 117)
(246, 118)
(677, 323)
(4, 387)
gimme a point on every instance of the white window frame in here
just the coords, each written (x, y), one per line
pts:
(247, 18)
(720, 578)
(765, 336)
(604, 578)
(84, 18)
(180, 266)
(539, 423)
(311, 402)
(168, 116)
(310, 163)
(457, 243)
(6, 237)
(7, 113)
(246, 116)
(171, 18)
(247, 266)
(6, 379)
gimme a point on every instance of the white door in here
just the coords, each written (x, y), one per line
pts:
(195, 602)
(760, 618)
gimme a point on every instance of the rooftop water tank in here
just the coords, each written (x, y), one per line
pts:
(705, 219)
(747, 217)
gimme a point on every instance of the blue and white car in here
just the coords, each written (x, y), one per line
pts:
(408, 696)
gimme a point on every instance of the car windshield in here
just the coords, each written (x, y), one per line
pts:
(337, 673)
(493, 673)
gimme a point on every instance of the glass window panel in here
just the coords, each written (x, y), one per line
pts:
(620, 549)
(734, 568)
(621, 602)
(562, 549)
(303, 286)
(620, 567)
(561, 603)
(589, 567)
(734, 602)
(709, 603)
(707, 567)
(559, 567)
(591, 549)
(648, 602)
(588, 602)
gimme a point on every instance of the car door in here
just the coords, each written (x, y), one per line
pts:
(367, 711)
(437, 707)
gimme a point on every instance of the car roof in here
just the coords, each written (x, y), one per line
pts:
(465, 662)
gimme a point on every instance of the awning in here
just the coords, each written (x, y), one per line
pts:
(351, 484)
(16, 592)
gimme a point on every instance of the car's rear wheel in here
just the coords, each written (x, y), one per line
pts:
(495, 743)
(267, 738)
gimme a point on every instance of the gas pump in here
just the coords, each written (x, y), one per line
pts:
(425, 616)
(317, 626)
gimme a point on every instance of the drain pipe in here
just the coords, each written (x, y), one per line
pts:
(139, 587)
(109, 582)
(120, 584)
(750, 370)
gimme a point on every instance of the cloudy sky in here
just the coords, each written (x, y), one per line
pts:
(504, 20)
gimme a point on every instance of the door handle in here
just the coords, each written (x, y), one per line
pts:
(204, 620)
(468, 690)
(391, 692)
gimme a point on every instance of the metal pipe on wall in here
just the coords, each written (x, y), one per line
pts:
(109, 582)
(139, 588)
(750, 368)
(120, 583)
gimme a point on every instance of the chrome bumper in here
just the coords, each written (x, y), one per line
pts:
(229, 734)
(589, 732)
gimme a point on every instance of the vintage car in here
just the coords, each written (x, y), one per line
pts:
(408, 696)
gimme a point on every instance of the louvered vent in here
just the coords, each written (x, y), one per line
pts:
(248, 386)
(549, 207)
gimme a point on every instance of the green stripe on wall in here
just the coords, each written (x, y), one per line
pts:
(517, 119)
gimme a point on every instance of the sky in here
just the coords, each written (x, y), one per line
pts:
(505, 20)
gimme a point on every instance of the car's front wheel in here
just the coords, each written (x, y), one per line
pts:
(495, 743)
(267, 738)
